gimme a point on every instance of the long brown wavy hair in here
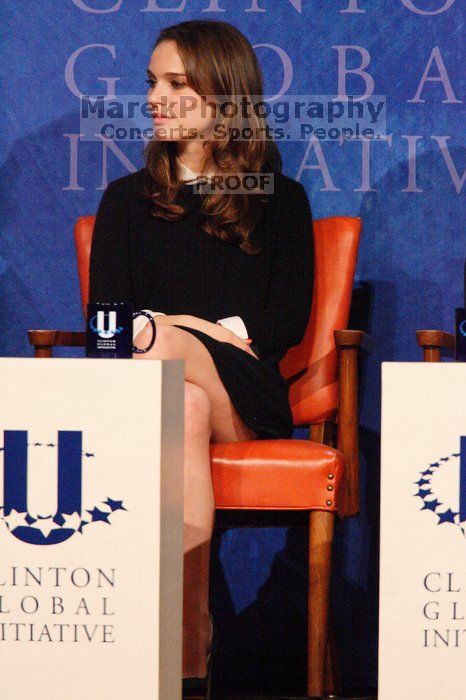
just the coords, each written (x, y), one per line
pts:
(218, 60)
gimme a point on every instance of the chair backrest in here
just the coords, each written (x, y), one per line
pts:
(83, 231)
(311, 366)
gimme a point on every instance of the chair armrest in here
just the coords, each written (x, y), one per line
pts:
(348, 344)
(433, 342)
(44, 340)
(354, 339)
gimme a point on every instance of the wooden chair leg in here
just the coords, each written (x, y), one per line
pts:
(321, 525)
(332, 675)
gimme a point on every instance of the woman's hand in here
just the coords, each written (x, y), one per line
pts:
(241, 343)
(213, 329)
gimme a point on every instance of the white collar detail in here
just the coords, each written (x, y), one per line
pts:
(188, 175)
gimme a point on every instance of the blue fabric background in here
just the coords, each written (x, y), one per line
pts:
(410, 266)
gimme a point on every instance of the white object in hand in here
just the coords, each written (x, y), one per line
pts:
(235, 324)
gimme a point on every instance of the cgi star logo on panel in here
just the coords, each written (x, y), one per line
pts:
(69, 517)
(442, 488)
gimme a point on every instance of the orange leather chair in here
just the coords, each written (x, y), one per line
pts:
(311, 478)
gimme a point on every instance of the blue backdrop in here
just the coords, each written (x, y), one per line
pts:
(406, 189)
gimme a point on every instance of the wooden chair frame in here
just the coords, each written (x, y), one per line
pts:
(433, 343)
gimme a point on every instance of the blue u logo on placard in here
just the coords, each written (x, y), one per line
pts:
(69, 482)
(68, 518)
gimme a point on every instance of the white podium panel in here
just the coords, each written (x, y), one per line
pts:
(422, 651)
(91, 528)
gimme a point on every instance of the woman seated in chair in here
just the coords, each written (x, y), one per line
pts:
(226, 267)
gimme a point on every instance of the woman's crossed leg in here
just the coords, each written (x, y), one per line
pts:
(209, 416)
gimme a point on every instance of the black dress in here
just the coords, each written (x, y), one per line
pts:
(178, 268)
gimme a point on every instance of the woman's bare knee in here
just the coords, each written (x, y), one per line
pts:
(197, 410)
(167, 346)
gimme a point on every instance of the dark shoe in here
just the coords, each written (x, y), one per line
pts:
(201, 687)
(195, 687)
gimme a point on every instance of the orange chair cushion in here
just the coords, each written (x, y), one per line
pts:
(283, 474)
